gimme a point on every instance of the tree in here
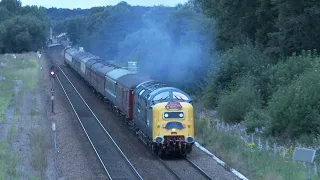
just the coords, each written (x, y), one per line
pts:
(298, 26)
(13, 6)
(21, 28)
(75, 29)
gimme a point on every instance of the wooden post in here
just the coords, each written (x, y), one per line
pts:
(259, 143)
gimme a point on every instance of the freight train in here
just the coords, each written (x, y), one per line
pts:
(162, 116)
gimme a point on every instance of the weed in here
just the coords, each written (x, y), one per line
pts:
(39, 143)
(249, 160)
(13, 132)
(22, 72)
(35, 112)
(8, 162)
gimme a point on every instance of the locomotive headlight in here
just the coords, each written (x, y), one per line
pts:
(174, 130)
(181, 115)
(166, 115)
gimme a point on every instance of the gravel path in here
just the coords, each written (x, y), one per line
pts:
(210, 166)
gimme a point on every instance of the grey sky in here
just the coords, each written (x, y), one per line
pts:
(92, 3)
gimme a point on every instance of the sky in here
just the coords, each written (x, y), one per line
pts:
(92, 3)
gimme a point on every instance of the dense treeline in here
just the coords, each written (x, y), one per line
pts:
(282, 27)
(21, 28)
(253, 61)
(268, 66)
(58, 17)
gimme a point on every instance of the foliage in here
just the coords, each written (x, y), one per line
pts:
(21, 28)
(234, 104)
(282, 26)
(62, 14)
(281, 98)
(8, 162)
(295, 109)
(248, 159)
(240, 61)
(290, 69)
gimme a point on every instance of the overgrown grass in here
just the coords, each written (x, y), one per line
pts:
(35, 112)
(39, 142)
(250, 161)
(24, 68)
(8, 162)
(13, 132)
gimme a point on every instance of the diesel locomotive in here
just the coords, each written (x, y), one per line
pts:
(162, 116)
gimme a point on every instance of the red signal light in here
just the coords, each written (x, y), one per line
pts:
(52, 73)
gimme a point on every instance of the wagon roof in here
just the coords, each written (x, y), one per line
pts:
(117, 73)
(132, 80)
(92, 61)
(102, 68)
(72, 51)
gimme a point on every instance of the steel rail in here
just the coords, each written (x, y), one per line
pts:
(198, 169)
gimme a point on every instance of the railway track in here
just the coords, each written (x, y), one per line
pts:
(190, 169)
(205, 175)
(113, 160)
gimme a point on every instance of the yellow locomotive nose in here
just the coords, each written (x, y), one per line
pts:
(174, 121)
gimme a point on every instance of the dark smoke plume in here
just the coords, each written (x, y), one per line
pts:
(173, 47)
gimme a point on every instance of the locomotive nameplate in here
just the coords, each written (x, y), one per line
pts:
(173, 105)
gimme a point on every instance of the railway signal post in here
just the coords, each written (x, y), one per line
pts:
(52, 76)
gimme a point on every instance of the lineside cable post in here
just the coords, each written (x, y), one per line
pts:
(55, 135)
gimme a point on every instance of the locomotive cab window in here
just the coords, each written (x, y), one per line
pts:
(180, 96)
(173, 115)
(162, 96)
(140, 94)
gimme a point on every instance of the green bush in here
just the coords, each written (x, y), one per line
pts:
(235, 103)
(288, 70)
(232, 65)
(240, 60)
(295, 109)
(256, 118)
